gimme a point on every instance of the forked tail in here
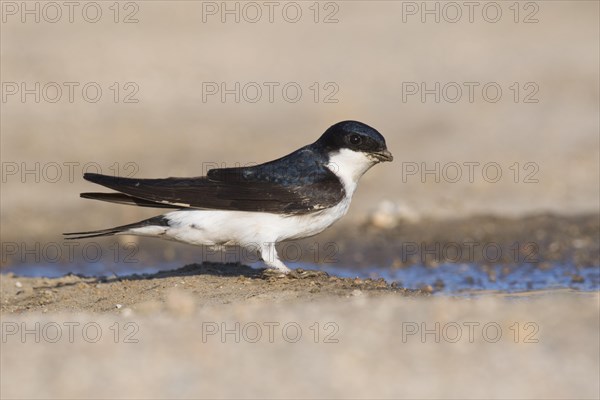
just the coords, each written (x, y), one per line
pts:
(154, 221)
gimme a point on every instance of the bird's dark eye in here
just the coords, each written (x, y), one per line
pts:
(355, 140)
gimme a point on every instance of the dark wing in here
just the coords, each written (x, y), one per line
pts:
(296, 184)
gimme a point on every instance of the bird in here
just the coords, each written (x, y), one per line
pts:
(255, 207)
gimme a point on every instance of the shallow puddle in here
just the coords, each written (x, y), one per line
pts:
(443, 279)
(458, 278)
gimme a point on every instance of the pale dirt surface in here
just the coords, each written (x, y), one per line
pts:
(366, 351)
(176, 330)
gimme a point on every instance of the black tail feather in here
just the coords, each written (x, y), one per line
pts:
(119, 198)
(158, 220)
(90, 234)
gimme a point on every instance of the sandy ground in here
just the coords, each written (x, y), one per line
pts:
(545, 346)
(209, 284)
(229, 331)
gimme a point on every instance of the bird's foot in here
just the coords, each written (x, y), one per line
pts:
(276, 269)
(274, 273)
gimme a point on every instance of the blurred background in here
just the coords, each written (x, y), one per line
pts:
(505, 92)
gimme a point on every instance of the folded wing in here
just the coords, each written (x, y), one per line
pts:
(232, 191)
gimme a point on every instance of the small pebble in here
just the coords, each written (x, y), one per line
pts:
(438, 284)
(577, 279)
(18, 284)
(119, 306)
(427, 288)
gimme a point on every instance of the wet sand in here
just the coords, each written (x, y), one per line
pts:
(207, 284)
(544, 242)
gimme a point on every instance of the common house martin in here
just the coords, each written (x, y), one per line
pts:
(293, 197)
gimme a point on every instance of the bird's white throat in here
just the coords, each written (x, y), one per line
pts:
(349, 166)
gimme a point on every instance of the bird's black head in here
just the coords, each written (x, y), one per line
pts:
(355, 136)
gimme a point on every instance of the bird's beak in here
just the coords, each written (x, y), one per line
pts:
(384, 155)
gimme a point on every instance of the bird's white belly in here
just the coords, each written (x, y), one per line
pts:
(216, 227)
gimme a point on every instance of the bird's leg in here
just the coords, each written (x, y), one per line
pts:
(268, 253)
